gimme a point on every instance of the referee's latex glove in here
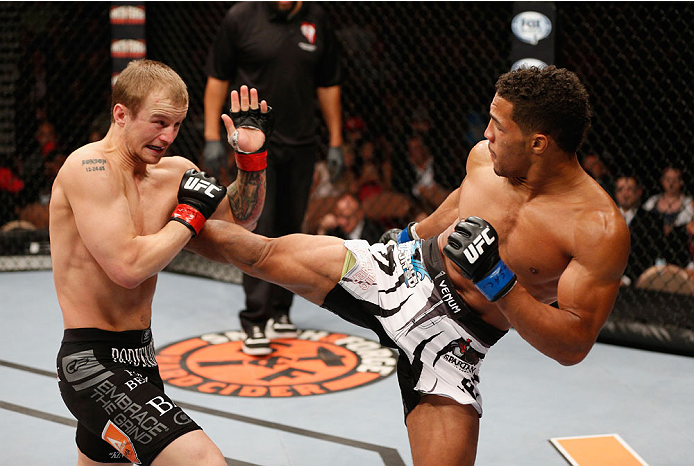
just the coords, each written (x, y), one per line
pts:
(214, 157)
(336, 162)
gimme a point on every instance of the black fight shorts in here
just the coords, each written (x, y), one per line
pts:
(110, 382)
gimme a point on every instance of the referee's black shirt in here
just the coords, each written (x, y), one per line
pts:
(284, 59)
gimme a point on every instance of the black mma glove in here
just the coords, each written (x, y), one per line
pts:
(198, 197)
(400, 236)
(474, 247)
(255, 119)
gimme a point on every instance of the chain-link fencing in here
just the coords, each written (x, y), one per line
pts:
(418, 79)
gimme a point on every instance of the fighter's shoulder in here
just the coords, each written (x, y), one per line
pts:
(176, 162)
(87, 175)
(88, 158)
(479, 156)
(600, 223)
(173, 165)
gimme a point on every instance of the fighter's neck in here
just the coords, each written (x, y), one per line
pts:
(550, 178)
(116, 151)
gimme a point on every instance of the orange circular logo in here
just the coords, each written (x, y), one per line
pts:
(314, 363)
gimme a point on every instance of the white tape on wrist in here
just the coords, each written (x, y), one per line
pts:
(415, 236)
(234, 140)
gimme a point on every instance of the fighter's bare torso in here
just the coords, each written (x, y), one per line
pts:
(87, 295)
(536, 230)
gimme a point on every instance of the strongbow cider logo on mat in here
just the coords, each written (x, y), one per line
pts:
(315, 363)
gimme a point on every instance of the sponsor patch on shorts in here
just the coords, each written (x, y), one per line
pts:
(121, 442)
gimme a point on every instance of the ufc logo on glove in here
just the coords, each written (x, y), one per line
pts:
(196, 184)
(475, 240)
(476, 249)
(198, 197)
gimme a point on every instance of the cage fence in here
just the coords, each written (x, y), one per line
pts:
(418, 79)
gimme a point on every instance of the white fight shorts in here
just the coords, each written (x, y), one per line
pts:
(403, 293)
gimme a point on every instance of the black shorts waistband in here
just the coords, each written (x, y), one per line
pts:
(134, 338)
(468, 318)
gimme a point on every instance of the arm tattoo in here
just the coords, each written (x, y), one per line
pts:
(247, 196)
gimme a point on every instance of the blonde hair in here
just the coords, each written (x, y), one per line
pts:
(143, 77)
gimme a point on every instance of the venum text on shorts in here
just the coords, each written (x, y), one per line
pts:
(448, 298)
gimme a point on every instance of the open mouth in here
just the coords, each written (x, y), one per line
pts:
(157, 149)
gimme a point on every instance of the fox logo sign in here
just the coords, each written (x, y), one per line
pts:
(196, 184)
(474, 250)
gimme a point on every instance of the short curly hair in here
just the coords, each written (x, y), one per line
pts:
(548, 100)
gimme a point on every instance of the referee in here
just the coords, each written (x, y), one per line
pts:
(288, 52)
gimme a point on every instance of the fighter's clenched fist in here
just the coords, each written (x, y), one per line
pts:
(474, 247)
(198, 198)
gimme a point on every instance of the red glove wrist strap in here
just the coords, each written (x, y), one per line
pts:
(252, 162)
(189, 216)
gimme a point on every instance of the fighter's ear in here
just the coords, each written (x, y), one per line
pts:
(119, 113)
(540, 142)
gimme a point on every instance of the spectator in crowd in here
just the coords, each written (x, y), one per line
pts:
(348, 221)
(374, 175)
(434, 131)
(38, 170)
(349, 177)
(289, 52)
(593, 164)
(10, 187)
(672, 205)
(36, 211)
(690, 244)
(418, 175)
(321, 186)
(32, 166)
(355, 131)
(324, 193)
(371, 171)
(420, 123)
(647, 241)
(46, 138)
(674, 209)
(366, 175)
(98, 128)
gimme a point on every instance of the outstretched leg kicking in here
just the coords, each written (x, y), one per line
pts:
(403, 293)
(307, 265)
